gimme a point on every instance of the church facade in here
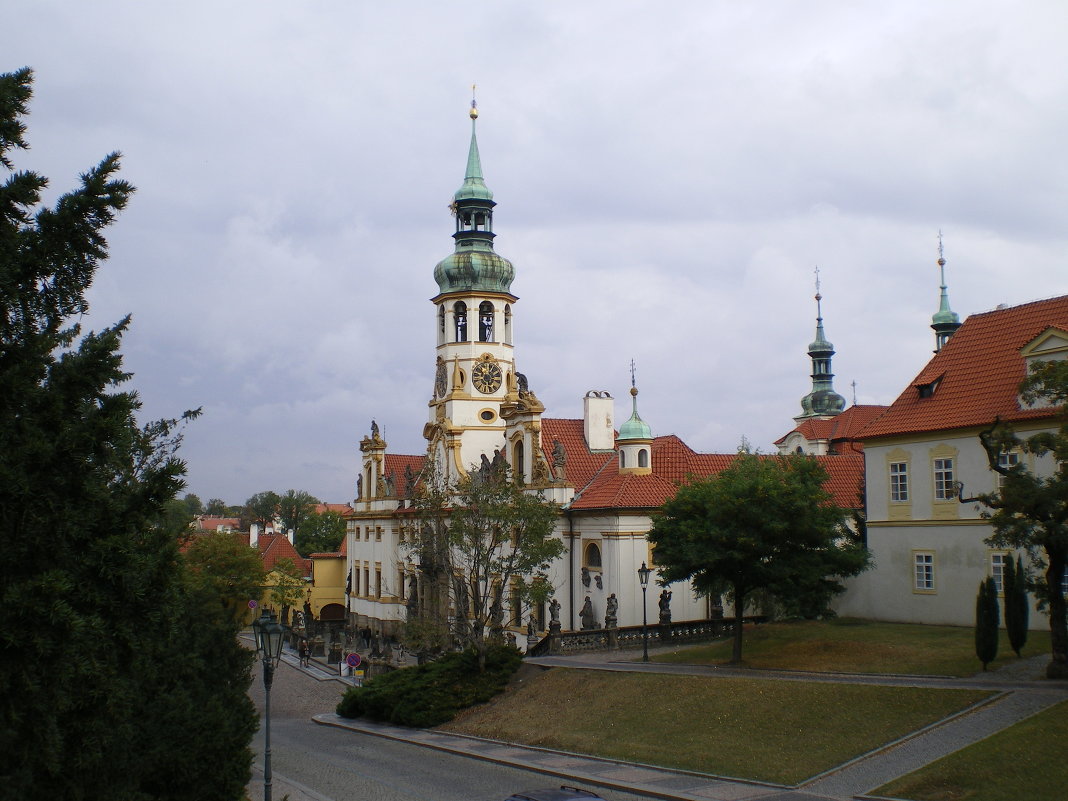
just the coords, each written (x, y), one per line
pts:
(608, 483)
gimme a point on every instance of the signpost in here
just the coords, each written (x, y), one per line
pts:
(353, 661)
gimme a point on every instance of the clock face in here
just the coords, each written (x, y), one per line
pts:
(441, 381)
(486, 376)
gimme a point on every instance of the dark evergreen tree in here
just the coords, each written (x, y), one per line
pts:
(987, 620)
(112, 684)
(1014, 586)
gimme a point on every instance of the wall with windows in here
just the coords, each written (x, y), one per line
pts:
(928, 548)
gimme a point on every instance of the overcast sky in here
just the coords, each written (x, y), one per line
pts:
(668, 176)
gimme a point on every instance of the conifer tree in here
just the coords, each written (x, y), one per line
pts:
(112, 684)
(986, 622)
(1014, 585)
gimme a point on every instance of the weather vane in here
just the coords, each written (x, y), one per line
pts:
(632, 382)
(474, 105)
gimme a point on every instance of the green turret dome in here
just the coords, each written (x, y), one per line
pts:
(635, 427)
(479, 270)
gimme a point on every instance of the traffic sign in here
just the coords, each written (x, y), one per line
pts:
(353, 660)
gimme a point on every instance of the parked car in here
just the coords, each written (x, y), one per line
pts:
(563, 794)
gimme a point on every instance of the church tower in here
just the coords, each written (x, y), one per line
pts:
(474, 372)
(945, 321)
(822, 402)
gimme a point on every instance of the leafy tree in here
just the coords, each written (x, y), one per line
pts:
(216, 508)
(501, 538)
(294, 508)
(764, 523)
(193, 504)
(1030, 510)
(97, 654)
(1014, 585)
(986, 622)
(480, 539)
(261, 509)
(223, 567)
(286, 582)
(321, 532)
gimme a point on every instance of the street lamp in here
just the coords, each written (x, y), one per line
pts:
(643, 577)
(269, 634)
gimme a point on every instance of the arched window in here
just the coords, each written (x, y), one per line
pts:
(622, 458)
(508, 324)
(459, 312)
(643, 458)
(517, 461)
(441, 318)
(592, 556)
(485, 321)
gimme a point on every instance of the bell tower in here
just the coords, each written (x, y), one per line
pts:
(474, 369)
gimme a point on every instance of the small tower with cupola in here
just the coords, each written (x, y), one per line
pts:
(822, 402)
(635, 439)
(945, 321)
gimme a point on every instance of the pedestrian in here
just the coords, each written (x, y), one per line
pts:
(305, 660)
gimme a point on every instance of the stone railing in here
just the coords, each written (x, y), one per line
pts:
(629, 637)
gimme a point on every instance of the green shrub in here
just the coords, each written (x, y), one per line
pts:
(432, 694)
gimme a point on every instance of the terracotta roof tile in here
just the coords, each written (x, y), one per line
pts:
(841, 428)
(978, 373)
(273, 547)
(340, 508)
(582, 463)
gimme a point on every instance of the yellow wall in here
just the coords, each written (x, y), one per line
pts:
(328, 582)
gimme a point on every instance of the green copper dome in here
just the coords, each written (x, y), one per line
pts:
(635, 427)
(476, 269)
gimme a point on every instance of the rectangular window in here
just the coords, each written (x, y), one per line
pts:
(923, 562)
(943, 480)
(378, 582)
(997, 569)
(899, 481)
(366, 581)
(378, 533)
(1007, 460)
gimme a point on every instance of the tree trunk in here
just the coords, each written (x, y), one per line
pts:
(1058, 630)
(739, 608)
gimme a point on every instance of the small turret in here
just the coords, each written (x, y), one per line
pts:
(635, 438)
(945, 321)
(822, 401)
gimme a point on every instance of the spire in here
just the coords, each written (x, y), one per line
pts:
(822, 401)
(635, 427)
(473, 186)
(474, 265)
(945, 321)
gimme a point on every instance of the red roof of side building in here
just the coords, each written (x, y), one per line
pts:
(976, 376)
(843, 427)
(599, 484)
(274, 547)
(340, 508)
(205, 523)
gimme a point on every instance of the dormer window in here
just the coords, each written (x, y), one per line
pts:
(928, 390)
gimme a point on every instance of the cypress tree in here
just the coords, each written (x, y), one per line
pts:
(1016, 607)
(986, 622)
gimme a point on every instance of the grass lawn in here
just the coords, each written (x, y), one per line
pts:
(859, 646)
(760, 729)
(1023, 763)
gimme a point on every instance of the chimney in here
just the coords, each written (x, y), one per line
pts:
(254, 534)
(598, 409)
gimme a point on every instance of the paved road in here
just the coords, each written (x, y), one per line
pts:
(312, 762)
(344, 759)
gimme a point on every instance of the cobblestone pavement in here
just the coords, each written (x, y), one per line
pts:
(1021, 693)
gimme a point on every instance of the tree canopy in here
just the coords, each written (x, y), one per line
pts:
(764, 523)
(99, 659)
(494, 540)
(294, 508)
(321, 532)
(1029, 511)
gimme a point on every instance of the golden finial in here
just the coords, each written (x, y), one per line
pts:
(474, 106)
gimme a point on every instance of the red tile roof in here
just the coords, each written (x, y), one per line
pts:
(978, 373)
(273, 547)
(205, 523)
(340, 508)
(840, 429)
(599, 485)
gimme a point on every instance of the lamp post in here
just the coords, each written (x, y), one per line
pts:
(269, 634)
(643, 578)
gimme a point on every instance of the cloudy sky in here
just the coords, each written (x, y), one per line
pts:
(668, 177)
